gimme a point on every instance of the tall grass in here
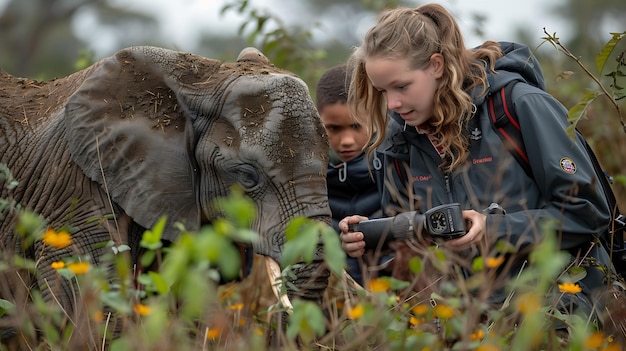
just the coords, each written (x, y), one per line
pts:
(185, 303)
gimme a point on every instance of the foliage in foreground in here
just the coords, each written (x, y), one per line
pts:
(182, 304)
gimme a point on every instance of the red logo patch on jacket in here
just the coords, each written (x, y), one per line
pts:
(568, 165)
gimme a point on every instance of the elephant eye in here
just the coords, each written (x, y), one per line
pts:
(247, 176)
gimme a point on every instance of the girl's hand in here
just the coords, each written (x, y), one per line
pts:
(352, 242)
(475, 233)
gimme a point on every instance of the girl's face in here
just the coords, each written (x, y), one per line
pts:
(409, 92)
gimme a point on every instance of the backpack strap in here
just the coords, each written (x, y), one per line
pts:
(505, 122)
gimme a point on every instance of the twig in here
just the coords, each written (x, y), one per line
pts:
(555, 40)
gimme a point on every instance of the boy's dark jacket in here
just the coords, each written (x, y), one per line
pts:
(564, 187)
(356, 194)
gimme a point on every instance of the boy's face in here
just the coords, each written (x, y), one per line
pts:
(346, 136)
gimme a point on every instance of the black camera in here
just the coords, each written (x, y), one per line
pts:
(443, 222)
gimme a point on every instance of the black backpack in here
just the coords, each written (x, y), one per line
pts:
(504, 121)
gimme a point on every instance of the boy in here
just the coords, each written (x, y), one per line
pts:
(352, 187)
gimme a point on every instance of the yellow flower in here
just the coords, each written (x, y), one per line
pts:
(613, 347)
(443, 311)
(258, 331)
(213, 333)
(488, 347)
(478, 335)
(420, 309)
(494, 262)
(236, 307)
(417, 321)
(528, 303)
(356, 312)
(227, 293)
(570, 288)
(97, 316)
(58, 265)
(595, 340)
(78, 267)
(141, 309)
(379, 285)
(57, 240)
(242, 322)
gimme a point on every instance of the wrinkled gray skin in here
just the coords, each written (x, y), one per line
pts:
(162, 133)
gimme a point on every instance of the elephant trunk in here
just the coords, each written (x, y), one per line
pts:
(311, 279)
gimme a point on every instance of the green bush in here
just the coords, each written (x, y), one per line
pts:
(181, 304)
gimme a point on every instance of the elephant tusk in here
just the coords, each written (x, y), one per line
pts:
(274, 273)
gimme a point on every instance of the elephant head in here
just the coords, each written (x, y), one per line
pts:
(150, 132)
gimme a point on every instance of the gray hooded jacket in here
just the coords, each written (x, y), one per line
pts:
(564, 188)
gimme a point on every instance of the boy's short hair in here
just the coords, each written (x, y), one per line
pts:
(332, 87)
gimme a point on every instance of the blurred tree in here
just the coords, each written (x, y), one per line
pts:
(38, 40)
(590, 23)
(307, 46)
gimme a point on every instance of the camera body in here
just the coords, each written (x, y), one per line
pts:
(442, 222)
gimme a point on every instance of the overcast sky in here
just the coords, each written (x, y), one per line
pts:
(182, 21)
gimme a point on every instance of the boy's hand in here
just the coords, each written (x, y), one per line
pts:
(352, 242)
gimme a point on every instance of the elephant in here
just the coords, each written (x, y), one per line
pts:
(151, 132)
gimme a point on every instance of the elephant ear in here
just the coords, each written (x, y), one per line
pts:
(127, 130)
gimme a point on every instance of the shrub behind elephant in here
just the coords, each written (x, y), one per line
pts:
(150, 132)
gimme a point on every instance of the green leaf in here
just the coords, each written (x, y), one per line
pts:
(244, 235)
(208, 245)
(121, 344)
(397, 284)
(229, 262)
(114, 300)
(66, 273)
(603, 56)
(237, 207)
(147, 258)
(120, 249)
(30, 226)
(478, 264)
(415, 265)
(159, 283)
(307, 321)
(21, 262)
(293, 227)
(334, 255)
(51, 333)
(576, 274)
(578, 111)
(302, 241)
(177, 260)
(151, 239)
(194, 304)
(5, 306)
(620, 179)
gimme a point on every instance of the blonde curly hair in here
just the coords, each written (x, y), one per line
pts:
(416, 34)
